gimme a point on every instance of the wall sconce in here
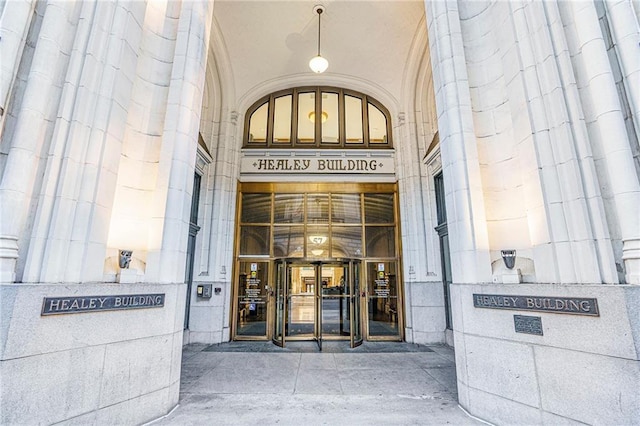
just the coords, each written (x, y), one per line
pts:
(317, 252)
(124, 258)
(509, 258)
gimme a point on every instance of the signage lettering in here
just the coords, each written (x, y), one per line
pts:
(562, 305)
(74, 305)
(322, 165)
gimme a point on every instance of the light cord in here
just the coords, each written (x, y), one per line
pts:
(319, 13)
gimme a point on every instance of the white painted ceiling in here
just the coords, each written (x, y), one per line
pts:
(267, 41)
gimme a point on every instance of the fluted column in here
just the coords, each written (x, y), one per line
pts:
(21, 167)
(14, 24)
(172, 197)
(464, 200)
(609, 132)
(625, 30)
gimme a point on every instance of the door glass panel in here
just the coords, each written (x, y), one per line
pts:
(318, 208)
(252, 299)
(279, 296)
(306, 117)
(380, 241)
(301, 301)
(289, 208)
(345, 208)
(256, 208)
(282, 120)
(346, 241)
(288, 241)
(353, 119)
(318, 241)
(319, 300)
(258, 124)
(382, 299)
(330, 117)
(336, 310)
(378, 208)
(446, 275)
(377, 126)
(356, 332)
(254, 240)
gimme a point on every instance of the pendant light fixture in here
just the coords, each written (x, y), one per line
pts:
(318, 64)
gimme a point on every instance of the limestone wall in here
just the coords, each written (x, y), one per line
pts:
(583, 368)
(99, 367)
(100, 107)
(538, 152)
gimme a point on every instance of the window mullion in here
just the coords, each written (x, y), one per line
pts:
(270, 117)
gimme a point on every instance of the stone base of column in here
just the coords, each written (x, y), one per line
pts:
(631, 257)
(129, 276)
(8, 258)
(513, 276)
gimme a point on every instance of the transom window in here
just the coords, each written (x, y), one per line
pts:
(317, 117)
(331, 224)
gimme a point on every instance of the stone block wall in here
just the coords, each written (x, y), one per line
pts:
(582, 369)
(115, 367)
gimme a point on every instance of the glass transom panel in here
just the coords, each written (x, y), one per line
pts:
(282, 120)
(258, 126)
(329, 118)
(306, 118)
(318, 225)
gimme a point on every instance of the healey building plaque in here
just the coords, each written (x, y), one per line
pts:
(325, 162)
(528, 325)
(560, 305)
(75, 305)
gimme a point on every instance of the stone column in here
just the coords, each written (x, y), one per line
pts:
(626, 36)
(464, 198)
(610, 132)
(172, 197)
(20, 171)
(14, 25)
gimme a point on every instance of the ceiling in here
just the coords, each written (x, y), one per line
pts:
(269, 43)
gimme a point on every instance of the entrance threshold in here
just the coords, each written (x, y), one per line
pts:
(338, 346)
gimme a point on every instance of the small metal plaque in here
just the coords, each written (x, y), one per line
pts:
(75, 305)
(528, 325)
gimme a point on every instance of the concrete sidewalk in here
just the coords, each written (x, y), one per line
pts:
(258, 383)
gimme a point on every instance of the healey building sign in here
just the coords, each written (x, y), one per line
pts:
(74, 305)
(316, 165)
(305, 162)
(561, 305)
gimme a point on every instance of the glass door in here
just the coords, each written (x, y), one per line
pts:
(382, 301)
(317, 301)
(280, 297)
(252, 300)
(354, 303)
(301, 302)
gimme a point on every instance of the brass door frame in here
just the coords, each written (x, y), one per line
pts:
(312, 188)
(353, 298)
(235, 297)
(365, 299)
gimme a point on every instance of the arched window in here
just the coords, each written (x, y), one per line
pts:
(288, 119)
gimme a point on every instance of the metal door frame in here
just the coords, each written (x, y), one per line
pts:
(354, 298)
